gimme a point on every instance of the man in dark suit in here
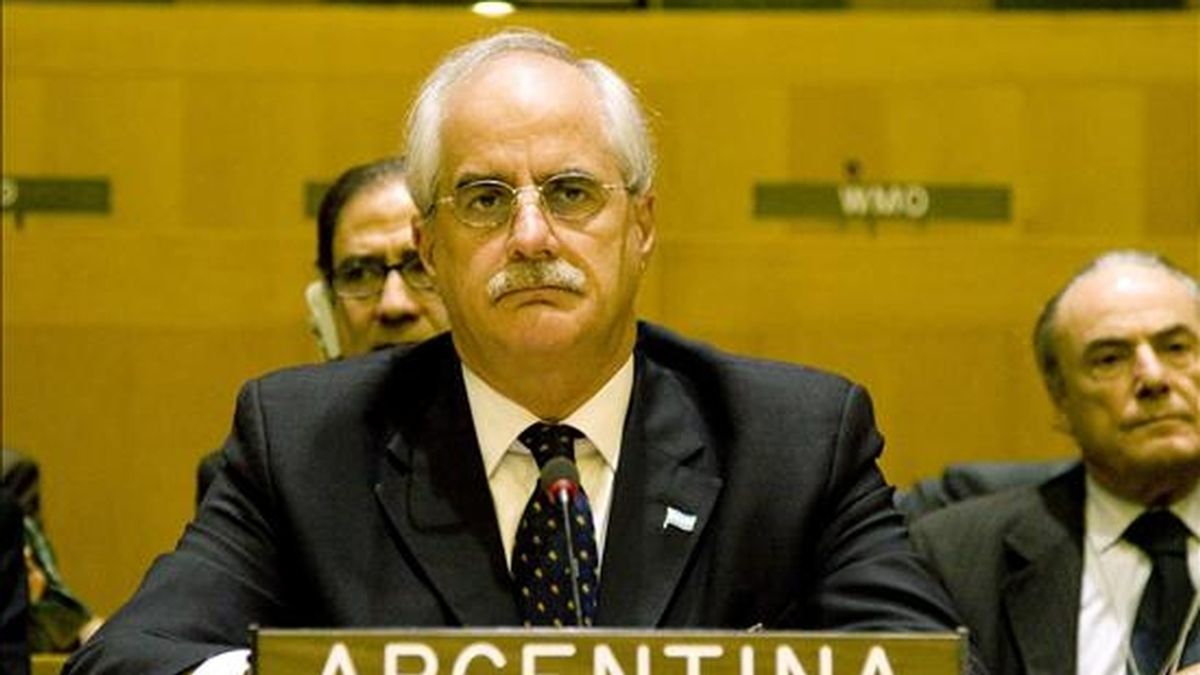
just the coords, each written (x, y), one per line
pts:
(395, 490)
(1054, 578)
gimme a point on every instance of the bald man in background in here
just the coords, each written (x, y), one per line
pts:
(1094, 571)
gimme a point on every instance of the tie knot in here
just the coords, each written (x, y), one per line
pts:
(547, 441)
(1158, 533)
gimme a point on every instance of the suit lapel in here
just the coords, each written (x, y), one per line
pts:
(1041, 591)
(662, 500)
(435, 494)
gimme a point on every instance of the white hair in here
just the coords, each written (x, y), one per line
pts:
(624, 122)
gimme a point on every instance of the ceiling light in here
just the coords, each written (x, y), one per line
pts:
(493, 8)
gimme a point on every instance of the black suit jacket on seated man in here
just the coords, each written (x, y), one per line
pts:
(1018, 580)
(354, 495)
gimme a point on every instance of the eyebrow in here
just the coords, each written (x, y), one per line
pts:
(356, 259)
(1173, 331)
(405, 255)
(468, 178)
(1106, 343)
(539, 179)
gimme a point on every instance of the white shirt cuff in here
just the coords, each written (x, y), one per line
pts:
(235, 662)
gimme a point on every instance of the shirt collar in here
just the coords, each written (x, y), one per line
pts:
(1108, 516)
(499, 420)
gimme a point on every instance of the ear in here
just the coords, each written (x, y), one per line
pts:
(1058, 396)
(643, 215)
(423, 239)
(1061, 423)
(325, 320)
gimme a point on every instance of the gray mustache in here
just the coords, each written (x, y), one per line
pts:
(556, 273)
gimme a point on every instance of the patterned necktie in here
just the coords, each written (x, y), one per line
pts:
(541, 564)
(1169, 591)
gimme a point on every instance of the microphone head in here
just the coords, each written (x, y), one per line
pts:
(560, 474)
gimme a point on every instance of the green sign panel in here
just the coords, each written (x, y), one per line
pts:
(604, 652)
(56, 195)
(878, 201)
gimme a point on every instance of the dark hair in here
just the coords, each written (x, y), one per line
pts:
(350, 184)
(1043, 329)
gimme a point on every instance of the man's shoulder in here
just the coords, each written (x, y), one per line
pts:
(321, 381)
(360, 375)
(695, 358)
(986, 512)
(994, 514)
(965, 543)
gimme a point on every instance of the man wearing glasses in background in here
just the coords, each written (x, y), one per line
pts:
(401, 489)
(371, 274)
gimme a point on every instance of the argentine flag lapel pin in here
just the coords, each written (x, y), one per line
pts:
(680, 520)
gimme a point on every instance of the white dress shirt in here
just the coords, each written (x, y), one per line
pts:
(1114, 574)
(511, 470)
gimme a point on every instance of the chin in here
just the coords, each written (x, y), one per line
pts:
(1170, 454)
(537, 319)
(544, 341)
(400, 341)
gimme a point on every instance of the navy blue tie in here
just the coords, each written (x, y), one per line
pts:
(1168, 594)
(541, 564)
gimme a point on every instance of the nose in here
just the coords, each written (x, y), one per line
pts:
(396, 299)
(1149, 372)
(532, 235)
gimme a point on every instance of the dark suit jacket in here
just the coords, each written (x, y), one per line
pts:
(1013, 563)
(353, 494)
(206, 473)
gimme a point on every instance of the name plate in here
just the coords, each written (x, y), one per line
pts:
(604, 652)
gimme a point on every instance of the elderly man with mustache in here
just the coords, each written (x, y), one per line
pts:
(701, 489)
(1094, 571)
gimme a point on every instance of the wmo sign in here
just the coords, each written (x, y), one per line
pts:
(533, 652)
(898, 200)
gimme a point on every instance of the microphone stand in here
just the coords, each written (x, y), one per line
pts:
(564, 500)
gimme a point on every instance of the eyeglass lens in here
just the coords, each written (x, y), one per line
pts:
(365, 277)
(491, 203)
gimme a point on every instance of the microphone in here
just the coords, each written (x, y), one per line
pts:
(560, 479)
(560, 475)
